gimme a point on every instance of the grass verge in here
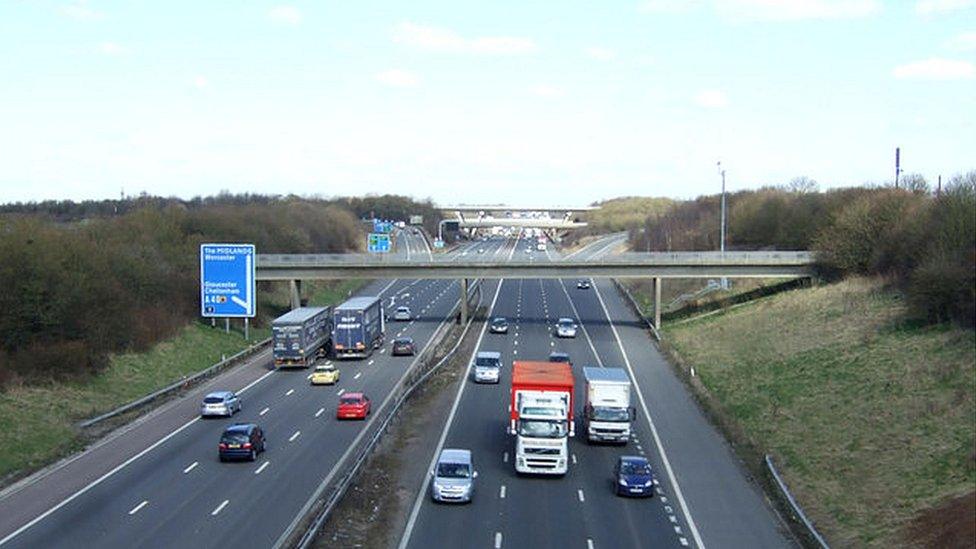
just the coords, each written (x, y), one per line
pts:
(39, 421)
(871, 420)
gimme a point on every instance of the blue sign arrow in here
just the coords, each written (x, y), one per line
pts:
(227, 280)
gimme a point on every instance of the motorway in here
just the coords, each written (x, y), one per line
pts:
(703, 498)
(158, 482)
(168, 489)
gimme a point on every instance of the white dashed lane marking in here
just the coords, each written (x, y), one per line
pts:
(262, 412)
(317, 414)
(290, 391)
(191, 467)
(296, 435)
(261, 468)
(357, 375)
(579, 493)
(501, 492)
(137, 507)
(219, 508)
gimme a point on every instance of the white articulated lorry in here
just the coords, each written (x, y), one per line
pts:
(607, 414)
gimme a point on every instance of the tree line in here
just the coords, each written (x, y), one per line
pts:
(922, 241)
(83, 280)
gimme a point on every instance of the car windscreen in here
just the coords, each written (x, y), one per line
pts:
(213, 400)
(234, 438)
(631, 468)
(453, 470)
(566, 323)
(487, 361)
(499, 321)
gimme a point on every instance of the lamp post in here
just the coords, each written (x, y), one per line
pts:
(721, 171)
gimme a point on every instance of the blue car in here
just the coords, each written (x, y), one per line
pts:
(633, 476)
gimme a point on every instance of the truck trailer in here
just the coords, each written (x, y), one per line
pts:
(607, 414)
(541, 416)
(358, 327)
(301, 335)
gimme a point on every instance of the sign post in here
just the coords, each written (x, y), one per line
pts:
(227, 281)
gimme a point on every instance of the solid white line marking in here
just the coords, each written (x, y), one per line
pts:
(357, 375)
(191, 467)
(261, 468)
(219, 508)
(654, 433)
(317, 414)
(290, 391)
(498, 540)
(579, 493)
(262, 412)
(140, 506)
(296, 435)
(501, 493)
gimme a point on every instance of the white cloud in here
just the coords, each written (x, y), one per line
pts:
(935, 69)
(771, 10)
(398, 78)
(668, 6)
(600, 54)
(111, 49)
(545, 90)
(436, 39)
(288, 15)
(201, 82)
(929, 7)
(80, 10)
(794, 10)
(963, 42)
(711, 99)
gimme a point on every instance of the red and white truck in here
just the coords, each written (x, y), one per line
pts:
(541, 416)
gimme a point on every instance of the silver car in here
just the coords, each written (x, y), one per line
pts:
(453, 477)
(487, 365)
(402, 313)
(566, 327)
(220, 403)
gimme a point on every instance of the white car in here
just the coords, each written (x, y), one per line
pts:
(402, 313)
(487, 366)
(566, 327)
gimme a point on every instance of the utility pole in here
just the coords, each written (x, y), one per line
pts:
(897, 165)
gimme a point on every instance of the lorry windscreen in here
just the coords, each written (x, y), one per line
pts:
(609, 414)
(542, 428)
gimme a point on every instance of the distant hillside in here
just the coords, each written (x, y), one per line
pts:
(621, 214)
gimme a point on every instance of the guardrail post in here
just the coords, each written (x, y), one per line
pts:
(296, 293)
(657, 303)
(464, 301)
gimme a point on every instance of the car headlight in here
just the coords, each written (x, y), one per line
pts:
(648, 484)
(622, 482)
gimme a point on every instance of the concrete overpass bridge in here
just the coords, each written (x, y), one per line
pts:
(481, 216)
(658, 265)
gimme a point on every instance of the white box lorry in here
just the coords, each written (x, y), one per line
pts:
(607, 414)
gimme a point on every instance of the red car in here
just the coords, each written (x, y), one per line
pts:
(353, 406)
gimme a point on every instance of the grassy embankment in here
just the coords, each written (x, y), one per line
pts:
(38, 421)
(871, 419)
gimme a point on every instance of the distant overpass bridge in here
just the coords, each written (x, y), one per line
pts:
(484, 216)
(658, 265)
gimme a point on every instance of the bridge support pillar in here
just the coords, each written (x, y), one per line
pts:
(464, 301)
(657, 303)
(296, 293)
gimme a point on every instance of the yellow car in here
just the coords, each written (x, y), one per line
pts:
(325, 375)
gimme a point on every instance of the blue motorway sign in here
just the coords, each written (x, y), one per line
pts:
(227, 280)
(382, 226)
(378, 243)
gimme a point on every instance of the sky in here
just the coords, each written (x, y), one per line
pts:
(516, 102)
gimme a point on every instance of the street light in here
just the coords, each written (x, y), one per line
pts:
(721, 171)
